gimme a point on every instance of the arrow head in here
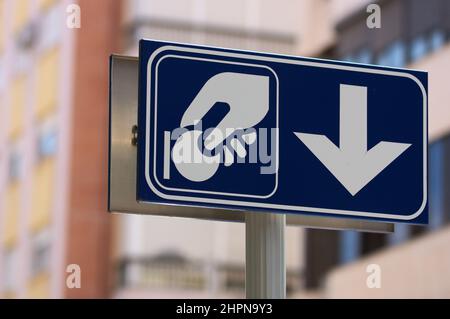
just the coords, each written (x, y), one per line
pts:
(354, 173)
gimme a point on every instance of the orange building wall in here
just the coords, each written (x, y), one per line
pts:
(88, 221)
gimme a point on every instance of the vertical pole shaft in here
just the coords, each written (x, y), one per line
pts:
(265, 271)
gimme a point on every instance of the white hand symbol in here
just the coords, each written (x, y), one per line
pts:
(248, 98)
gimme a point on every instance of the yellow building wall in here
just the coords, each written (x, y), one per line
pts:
(39, 286)
(43, 189)
(12, 212)
(8, 295)
(44, 4)
(47, 86)
(21, 14)
(17, 107)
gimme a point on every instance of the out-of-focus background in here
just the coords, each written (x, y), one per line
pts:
(53, 151)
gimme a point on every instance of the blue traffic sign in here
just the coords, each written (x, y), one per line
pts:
(252, 131)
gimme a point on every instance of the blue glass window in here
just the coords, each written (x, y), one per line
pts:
(394, 55)
(400, 234)
(436, 187)
(419, 48)
(350, 246)
(47, 143)
(15, 162)
(348, 58)
(437, 39)
(363, 56)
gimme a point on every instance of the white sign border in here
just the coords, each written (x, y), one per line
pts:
(279, 206)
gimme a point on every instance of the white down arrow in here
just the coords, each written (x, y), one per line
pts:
(351, 163)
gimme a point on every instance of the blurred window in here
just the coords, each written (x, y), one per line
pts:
(436, 178)
(363, 56)
(350, 246)
(348, 58)
(10, 270)
(47, 83)
(437, 39)
(400, 234)
(423, 45)
(14, 165)
(26, 38)
(394, 55)
(23, 61)
(419, 48)
(47, 143)
(10, 225)
(40, 252)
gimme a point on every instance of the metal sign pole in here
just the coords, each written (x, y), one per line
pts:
(265, 271)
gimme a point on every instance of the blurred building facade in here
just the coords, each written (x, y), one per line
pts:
(414, 34)
(53, 146)
(177, 258)
(53, 151)
(170, 257)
